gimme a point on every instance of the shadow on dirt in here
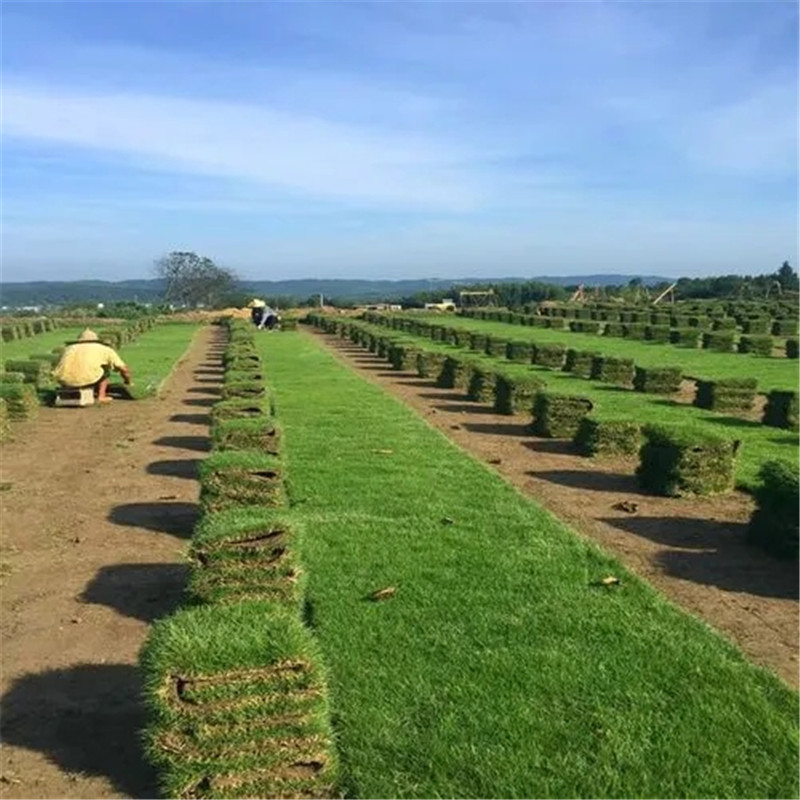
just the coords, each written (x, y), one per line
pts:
(200, 444)
(143, 591)
(174, 518)
(594, 481)
(191, 419)
(174, 468)
(714, 553)
(204, 390)
(499, 428)
(562, 447)
(85, 719)
(202, 402)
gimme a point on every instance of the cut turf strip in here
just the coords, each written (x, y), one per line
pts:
(503, 664)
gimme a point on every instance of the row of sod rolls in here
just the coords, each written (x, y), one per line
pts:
(673, 461)
(704, 327)
(724, 396)
(24, 328)
(234, 683)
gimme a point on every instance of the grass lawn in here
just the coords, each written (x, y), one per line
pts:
(760, 443)
(41, 343)
(772, 373)
(152, 355)
(499, 668)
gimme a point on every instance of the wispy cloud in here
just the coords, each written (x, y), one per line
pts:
(289, 151)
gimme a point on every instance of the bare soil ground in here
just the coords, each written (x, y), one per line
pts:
(692, 550)
(97, 508)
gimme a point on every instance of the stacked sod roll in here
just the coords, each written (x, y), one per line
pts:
(514, 394)
(781, 410)
(729, 394)
(558, 416)
(234, 684)
(607, 437)
(676, 462)
(774, 524)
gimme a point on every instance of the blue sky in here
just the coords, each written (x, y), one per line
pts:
(399, 139)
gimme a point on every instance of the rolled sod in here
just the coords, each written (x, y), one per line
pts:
(429, 364)
(5, 420)
(558, 415)
(241, 408)
(403, 357)
(260, 433)
(657, 380)
(481, 387)
(579, 362)
(619, 371)
(20, 400)
(237, 705)
(608, 437)
(34, 371)
(514, 394)
(781, 410)
(247, 374)
(456, 373)
(729, 394)
(774, 524)
(676, 462)
(241, 477)
(247, 389)
(550, 355)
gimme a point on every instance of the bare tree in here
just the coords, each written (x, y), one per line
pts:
(193, 279)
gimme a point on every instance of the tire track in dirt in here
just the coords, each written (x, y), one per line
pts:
(691, 550)
(101, 504)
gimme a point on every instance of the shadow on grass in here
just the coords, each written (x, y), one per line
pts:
(499, 428)
(732, 422)
(174, 468)
(610, 387)
(590, 480)
(174, 518)
(143, 591)
(191, 419)
(714, 553)
(85, 719)
(200, 444)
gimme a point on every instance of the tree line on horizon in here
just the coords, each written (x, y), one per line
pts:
(188, 280)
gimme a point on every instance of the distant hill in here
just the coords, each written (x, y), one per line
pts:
(14, 295)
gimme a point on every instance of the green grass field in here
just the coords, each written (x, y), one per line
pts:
(760, 443)
(152, 355)
(771, 373)
(499, 668)
(41, 343)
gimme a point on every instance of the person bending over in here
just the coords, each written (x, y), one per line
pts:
(88, 362)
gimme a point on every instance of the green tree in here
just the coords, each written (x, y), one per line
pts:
(787, 277)
(194, 280)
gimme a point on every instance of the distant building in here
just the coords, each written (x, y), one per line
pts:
(448, 304)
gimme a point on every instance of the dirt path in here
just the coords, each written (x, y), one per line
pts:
(691, 550)
(99, 507)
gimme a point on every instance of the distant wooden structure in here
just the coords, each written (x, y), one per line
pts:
(477, 299)
(668, 292)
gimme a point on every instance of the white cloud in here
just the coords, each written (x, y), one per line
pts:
(301, 154)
